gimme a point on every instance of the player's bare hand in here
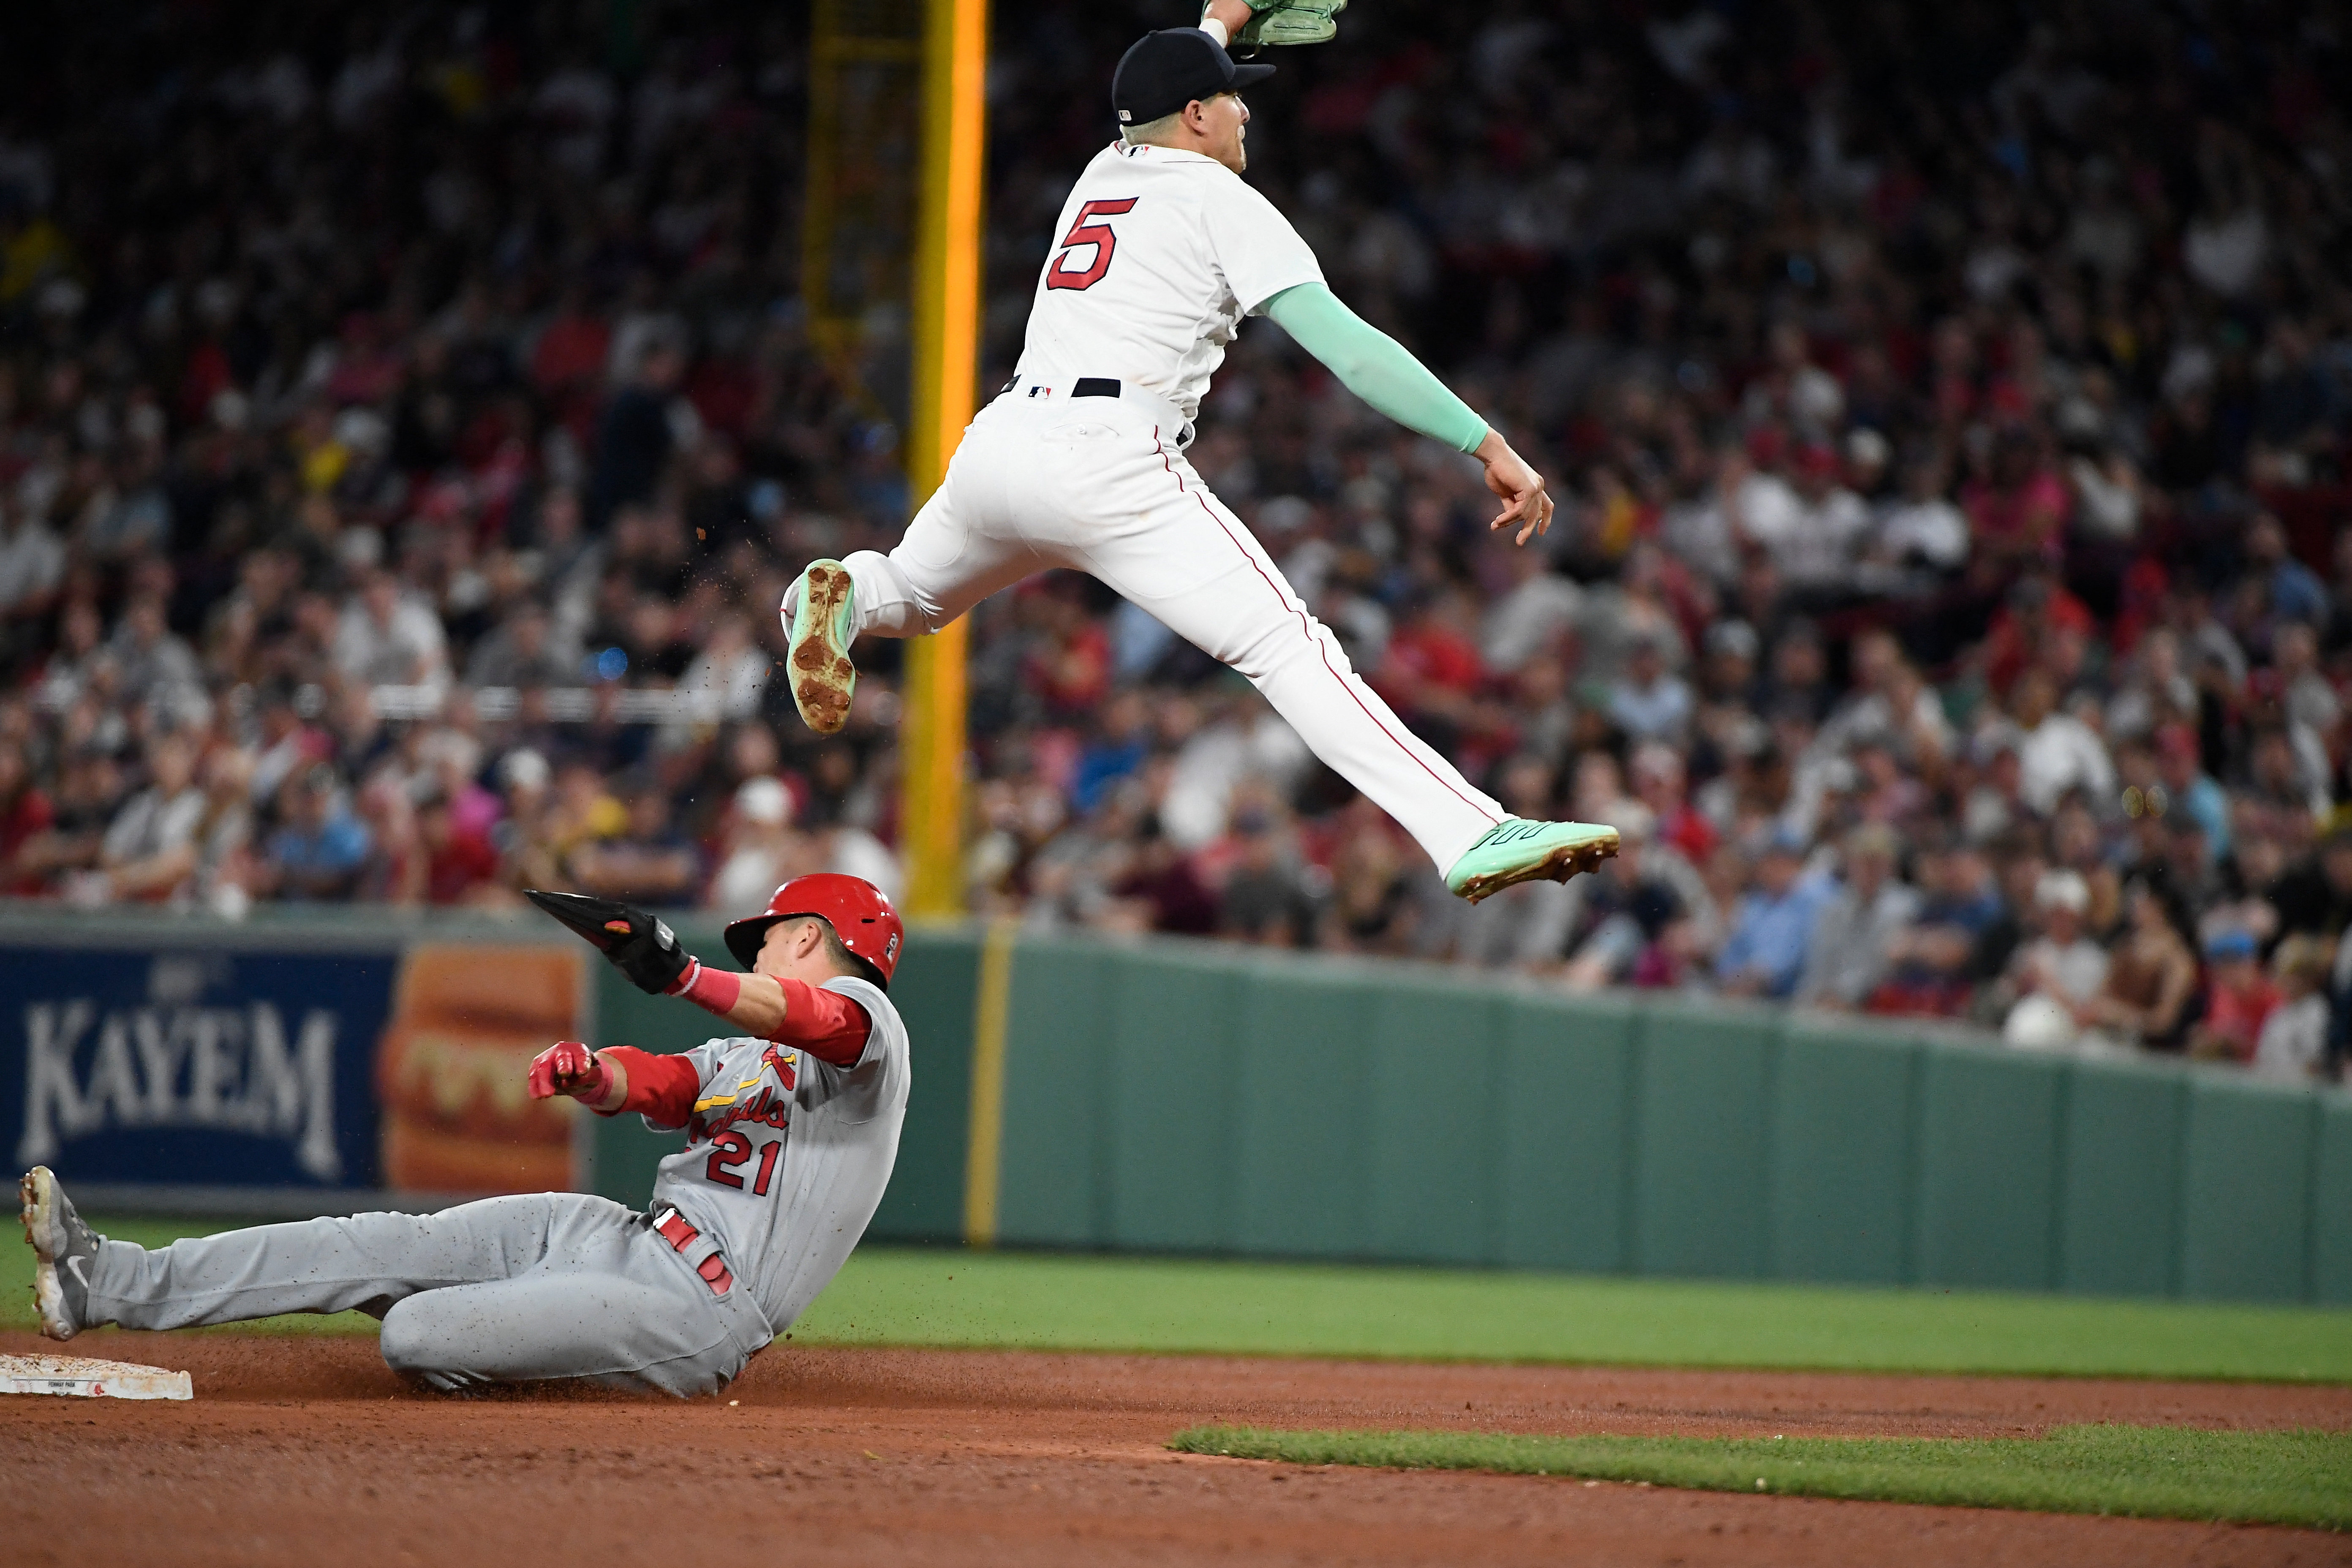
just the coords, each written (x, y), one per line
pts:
(1521, 487)
(569, 1068)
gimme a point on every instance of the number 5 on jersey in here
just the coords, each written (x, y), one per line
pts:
(1088, 232)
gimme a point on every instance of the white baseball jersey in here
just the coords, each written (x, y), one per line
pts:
(786, 1156)
(1158, 255)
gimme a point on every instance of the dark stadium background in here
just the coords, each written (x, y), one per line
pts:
(1949, 407)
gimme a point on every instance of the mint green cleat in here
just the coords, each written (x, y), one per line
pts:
(1517, 850)
(817, 657)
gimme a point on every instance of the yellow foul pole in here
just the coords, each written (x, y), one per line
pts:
(947, 349)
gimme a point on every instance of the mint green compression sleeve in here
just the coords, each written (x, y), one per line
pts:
(1375, 366)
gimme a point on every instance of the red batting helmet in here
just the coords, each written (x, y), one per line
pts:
(856, 908)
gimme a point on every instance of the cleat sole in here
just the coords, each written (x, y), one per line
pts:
(822, 677)
(35, 1209)
(1558, 866)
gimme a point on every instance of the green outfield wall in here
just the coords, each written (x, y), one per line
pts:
(1179, 1097)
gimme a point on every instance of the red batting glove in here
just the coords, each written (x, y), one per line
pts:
(569, 1068)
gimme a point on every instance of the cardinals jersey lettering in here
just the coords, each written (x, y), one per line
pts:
(1158, 255)
(786, 1156)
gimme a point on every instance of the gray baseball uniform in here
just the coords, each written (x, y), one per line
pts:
(785, 1161)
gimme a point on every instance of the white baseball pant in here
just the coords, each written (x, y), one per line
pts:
(1097, 485)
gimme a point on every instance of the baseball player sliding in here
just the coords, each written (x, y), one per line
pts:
(792, 1125)
(1162, 249)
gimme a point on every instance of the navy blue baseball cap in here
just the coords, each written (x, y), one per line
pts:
(1164, 72)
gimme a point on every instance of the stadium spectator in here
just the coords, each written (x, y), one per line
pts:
(2056, 974)
(1646, 919)
(149, 848)
(2239, 998)
(32, 562)
(1930, 960)
(760, 849)
(2315, 896)
(221, 870)
(2152, 975)
(1920, 540)
(459, 865)
(389, 636)
(1661, 784)
(1825, 529)
(152, 666)
(2293, 1042)
(2057, 753)
(322, 849)
(648, 860)
(1265, 899)
(1851, 948)
(1649, 701)
(25, 812)
(521, 651)
(1527, 618)
(1763, 954)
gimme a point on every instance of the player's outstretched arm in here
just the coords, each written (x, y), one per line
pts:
(788, 1006)
(643, 947)
(598, 1079)
(787, 1009)
(1383, 372)
(617, 1079)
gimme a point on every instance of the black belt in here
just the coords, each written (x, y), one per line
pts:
(1087, 386)
(1105, 386)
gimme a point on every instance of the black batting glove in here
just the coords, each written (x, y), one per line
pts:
(649, 955)
(636, 943)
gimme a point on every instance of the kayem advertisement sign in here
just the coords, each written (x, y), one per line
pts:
(207, 1068)
(232, 1063)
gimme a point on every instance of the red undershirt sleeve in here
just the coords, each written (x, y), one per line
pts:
(825, 1023)
(661, 1089)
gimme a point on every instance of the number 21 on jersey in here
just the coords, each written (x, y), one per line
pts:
(1088, 232)
(730, 1148)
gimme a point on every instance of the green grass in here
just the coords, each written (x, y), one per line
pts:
(2151, 1472)
(910, 1297)
(905, 1296)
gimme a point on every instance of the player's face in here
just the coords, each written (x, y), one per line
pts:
(1225, 120)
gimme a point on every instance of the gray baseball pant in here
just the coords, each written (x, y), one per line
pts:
(512, 1289)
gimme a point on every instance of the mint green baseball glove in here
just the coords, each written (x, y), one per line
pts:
(1289, 22)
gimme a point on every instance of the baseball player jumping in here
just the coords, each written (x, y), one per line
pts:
(1162, 249)
(792, 1125)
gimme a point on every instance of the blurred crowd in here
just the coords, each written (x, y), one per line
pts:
(408, 422)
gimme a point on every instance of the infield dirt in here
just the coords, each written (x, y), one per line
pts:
(307, 1450)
